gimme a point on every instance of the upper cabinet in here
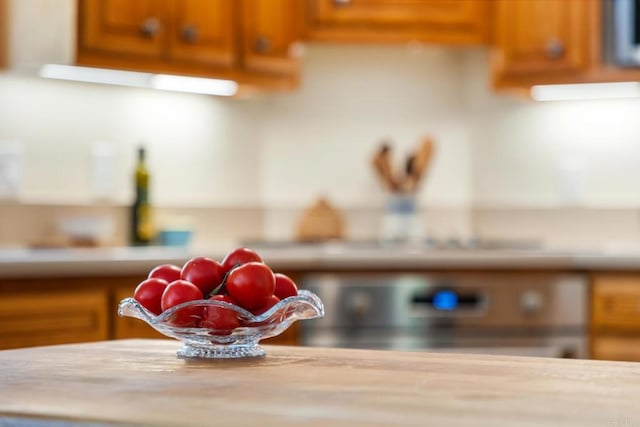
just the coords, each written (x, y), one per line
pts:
(256, 42)
(551, 41)
(202, 32)
(544, 40)
(437, 21)
(270, 34)
(245, 40)
(3, 34)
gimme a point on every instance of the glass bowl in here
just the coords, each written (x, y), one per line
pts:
(242, 341)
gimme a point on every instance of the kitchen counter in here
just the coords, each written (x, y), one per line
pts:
(143, 382)
(130, 260)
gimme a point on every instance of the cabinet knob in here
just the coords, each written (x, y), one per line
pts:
(554, 49)
(150, 27)
(358, 305)
(189, 33)
(531, 302)
(262, 45)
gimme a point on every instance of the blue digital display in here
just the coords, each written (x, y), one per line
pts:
(445, 300)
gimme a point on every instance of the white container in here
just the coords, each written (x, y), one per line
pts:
(11, 168)
(401, 219)
(103, 161)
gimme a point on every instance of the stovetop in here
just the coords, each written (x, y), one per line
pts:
(426, 244)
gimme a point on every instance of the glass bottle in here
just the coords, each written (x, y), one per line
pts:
(142, 229)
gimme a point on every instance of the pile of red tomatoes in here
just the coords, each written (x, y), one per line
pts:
(241, 279)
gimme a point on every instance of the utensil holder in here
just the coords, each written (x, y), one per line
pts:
(401, 221)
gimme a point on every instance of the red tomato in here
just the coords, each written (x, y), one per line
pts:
(223, 320)
(238, 257)
(149, 293)
(285, 287)
(168, 272)
(203, 272)
(273, 300)
(251, 284)
(178, 292)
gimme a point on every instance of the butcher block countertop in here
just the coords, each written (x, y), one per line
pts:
(143, 382)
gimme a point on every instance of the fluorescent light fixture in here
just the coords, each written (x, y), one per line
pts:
(143, 80)
(585, 91)
(95, 75)
(194, 85)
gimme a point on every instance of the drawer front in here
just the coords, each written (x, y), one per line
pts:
(616, 302)
(442, 21)
(53, 317)
(616, 348)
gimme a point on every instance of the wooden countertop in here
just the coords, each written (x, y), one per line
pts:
(143, 382)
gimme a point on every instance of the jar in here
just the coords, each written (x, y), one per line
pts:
(401, 219)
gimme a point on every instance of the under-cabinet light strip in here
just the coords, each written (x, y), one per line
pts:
(194, 84)
(136, 79)
(585, 91)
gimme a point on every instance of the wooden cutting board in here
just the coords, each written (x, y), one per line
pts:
(142, 382)
(320, 222)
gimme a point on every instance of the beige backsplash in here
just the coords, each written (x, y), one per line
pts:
(581, 228)
(36, 224)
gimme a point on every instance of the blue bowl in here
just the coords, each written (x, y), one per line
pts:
(174, 237)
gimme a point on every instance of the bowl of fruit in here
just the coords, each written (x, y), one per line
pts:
(220, 309)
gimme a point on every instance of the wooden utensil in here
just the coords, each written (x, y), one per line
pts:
(382, 164)
(422, 160)
(409, 183)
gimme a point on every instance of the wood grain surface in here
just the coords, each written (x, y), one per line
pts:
(143, 382)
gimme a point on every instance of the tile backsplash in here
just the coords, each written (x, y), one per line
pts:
(254, 164)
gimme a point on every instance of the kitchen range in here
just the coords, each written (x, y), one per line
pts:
(517, 313)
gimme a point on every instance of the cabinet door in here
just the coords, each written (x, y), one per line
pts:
(616, 303)
(269, 33)
(53, 317)
(123, 27)
(542, 41)
(441, 21)
(202, 32)
(623, 348)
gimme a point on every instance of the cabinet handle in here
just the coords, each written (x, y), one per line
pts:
(190, 33)
(341, 2)
(262, 45)
(150, 27)
(554, 49)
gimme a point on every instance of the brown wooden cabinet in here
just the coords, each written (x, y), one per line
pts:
(4, 25)
(53, 317)
(549, 42)
(434, 21)
(270, 31)
(541, 41)
(202, 32)
(244, 40)
(616, 317)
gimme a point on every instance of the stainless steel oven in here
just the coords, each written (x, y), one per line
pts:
(534, 314)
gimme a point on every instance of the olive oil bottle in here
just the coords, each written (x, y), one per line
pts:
(142, 229)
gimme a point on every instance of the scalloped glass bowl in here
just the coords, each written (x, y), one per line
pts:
(240, 342)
